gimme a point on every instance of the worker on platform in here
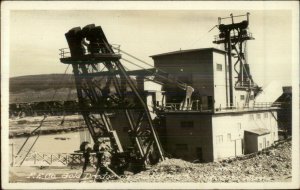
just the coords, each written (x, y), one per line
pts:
(84, 44)
(103, 160)
(98, 146)
(86, 155)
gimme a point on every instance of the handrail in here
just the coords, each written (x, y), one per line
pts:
(218, 38)
(195, 106)
(53, 158)
(64, 52)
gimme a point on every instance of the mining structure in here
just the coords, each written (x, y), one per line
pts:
(197, 104)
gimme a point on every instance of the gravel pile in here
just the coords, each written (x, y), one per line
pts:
(272, 164)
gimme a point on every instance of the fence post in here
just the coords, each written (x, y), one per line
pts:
(12, 155)
(67, 159)
(34, 160)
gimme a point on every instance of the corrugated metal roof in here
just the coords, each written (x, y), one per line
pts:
(188, 51)
(259, 131)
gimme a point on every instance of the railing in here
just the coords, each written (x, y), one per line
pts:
(245, 84)
(53, 159)
(173, 106)
(218, 38)
(116, 47)
(196, 106)
(64, 52)
(266, 104)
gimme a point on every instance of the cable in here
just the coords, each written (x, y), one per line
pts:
(202, 37)
(183, 85)
(126, 53)
(61, 79)
(42, 121)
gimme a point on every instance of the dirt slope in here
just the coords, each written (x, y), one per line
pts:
(273, 164)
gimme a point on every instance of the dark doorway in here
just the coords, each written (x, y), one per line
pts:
(210, 102)
(199, 154)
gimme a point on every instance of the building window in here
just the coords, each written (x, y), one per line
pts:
(251, 117)
(219, 139)
(266, 115)
(251, 97)
(260, 145)
(228, 137)
(181, 147)
(268, 143)
(187, 124)
(219, 67)
(242, 97)
(258, 116)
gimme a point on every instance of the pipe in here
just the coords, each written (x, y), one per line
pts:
(230, 68)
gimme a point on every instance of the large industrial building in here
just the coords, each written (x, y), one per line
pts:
(216, 115)
(211, 129)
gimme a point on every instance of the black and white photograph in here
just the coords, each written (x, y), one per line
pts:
(150, 95)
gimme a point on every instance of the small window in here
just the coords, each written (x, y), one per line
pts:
(219, 67)
(251, 97)
(268, 144)
(258, 116)
(187, 124)
(251, 117)
(228, 137)
(242, 97)
(219, 139)
(266, 115)
(181, 147)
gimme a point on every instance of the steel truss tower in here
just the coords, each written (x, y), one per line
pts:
(234, 36)
(90, 51)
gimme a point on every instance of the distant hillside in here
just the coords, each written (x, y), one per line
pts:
(40, 88)
(40, 82)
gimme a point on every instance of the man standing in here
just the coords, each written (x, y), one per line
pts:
(86, 156)
(103, 160)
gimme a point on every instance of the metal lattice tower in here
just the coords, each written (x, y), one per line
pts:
(90, 50)
(234, 36)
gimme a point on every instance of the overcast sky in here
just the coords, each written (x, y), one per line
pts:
(36, 36)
